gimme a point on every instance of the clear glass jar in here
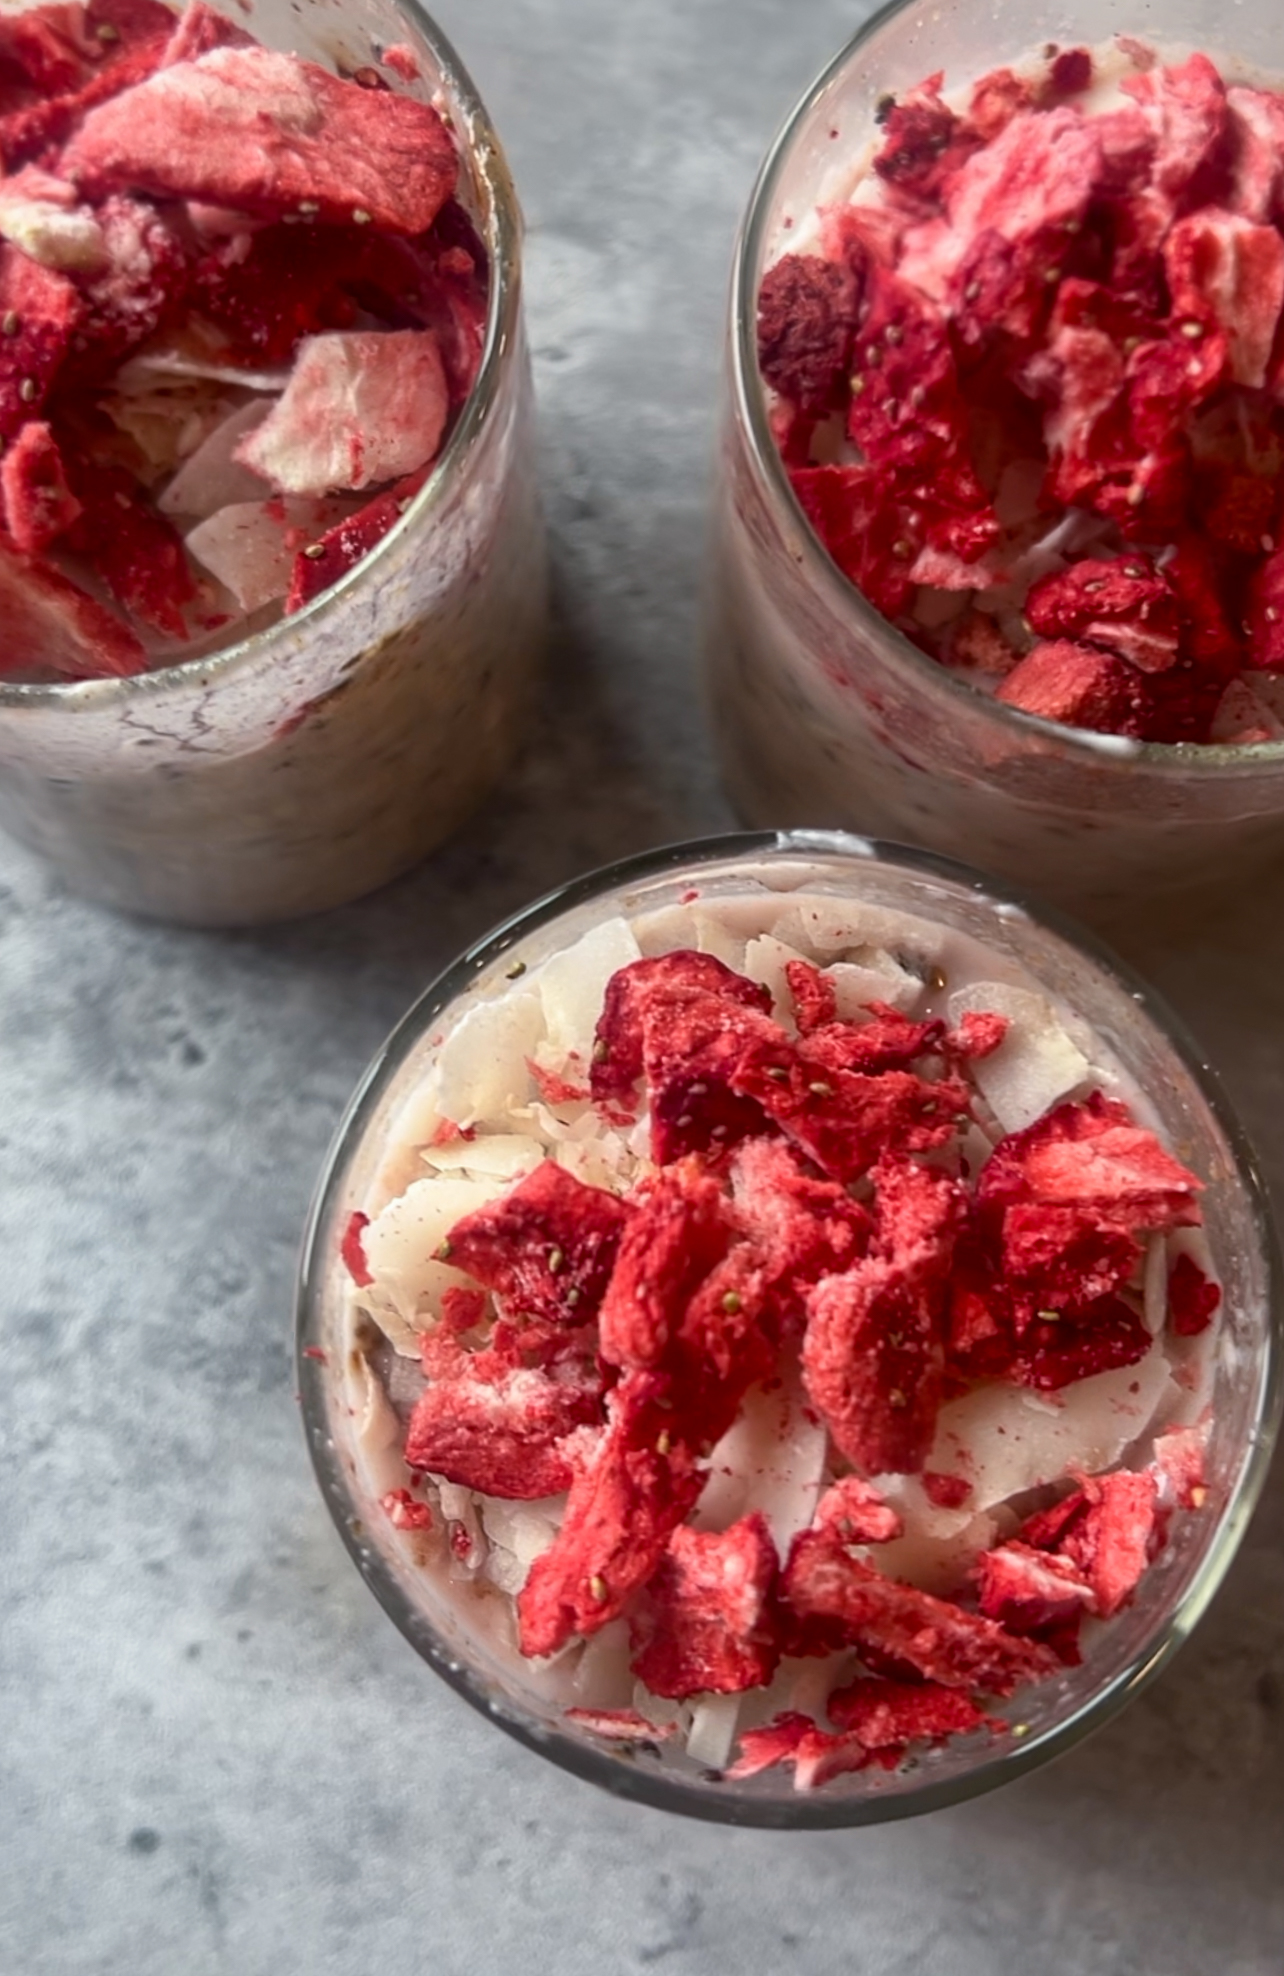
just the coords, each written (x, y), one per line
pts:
(1189, 1109)
(825, 714)
(321, 757)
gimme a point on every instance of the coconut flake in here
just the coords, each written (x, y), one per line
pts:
(210, 479)
(713, 1730)
(482, 1075)
(572, 985)
(400, 1243)
(1035, 1066)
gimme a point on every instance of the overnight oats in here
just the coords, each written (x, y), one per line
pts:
(271, 557)
(1000, 526)
(788, 1333)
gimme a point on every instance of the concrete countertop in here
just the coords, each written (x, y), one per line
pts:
(217, 1755)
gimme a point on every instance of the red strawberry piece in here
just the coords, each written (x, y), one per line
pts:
(51, 626)
(1069, 74)
(42, 53)
(1027, 1590)
(888, 1041)
(995, 100)
(977, 645)
(269, 134)
(979, 1034)
(1077, 685)
(1197, 580)
(920, 141)
(854, 1510)
(1063, 1256)
(724, 1342)
(664, 979)
(1036, 176)
(704, 1622)
(1179, 1456)
(936, 1638)
(1093, 1155)
(283, 285)
(404, 1511)
(1127, 151)
(361, 407)
(1003, 289)
(1265, 617)
(889, 1714)
(32, 131)
(945, 1491)
(1103, 1337)
(1110, 1544)
(147, 277)
(873, 1354)
(678, 1231)
(1192, 1298)
(38, 504)
(555, 1090)
(547, 1246)
(1045, 1530)
(438, 281)
(639, 1484)
(801, 1227)
(38, 312)
(807, 310)
(1081, 369)
(815, 1002)
(843, 1119)
(501, 1429)
(906, 411)
(1237, 509)
(815, 1755)
(867, 527)
(691, 1053)
(134, 550)
(1257, 152)
(200, 29)
(352, 1249)
(340, 548)
(620, 1725)
(1223, 269)
(1121, 602)
(1185, 107)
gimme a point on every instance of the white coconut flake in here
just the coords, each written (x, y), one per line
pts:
(482, 1076)
(573, 984)
(1035, 1066)
(210, 479)
(712, 1734)
(400, 1245)
(494, 1156)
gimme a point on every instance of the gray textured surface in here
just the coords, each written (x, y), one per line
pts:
(215, 1753)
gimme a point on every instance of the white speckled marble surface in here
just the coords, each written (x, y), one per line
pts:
(216, 1754)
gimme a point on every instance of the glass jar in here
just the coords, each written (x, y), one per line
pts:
(349, 1438)
(825, 714)
(319, 758)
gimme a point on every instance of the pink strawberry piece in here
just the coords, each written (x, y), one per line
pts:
(1093, 1155)
(704, 1623)
(38, 504)
(690, 1056)
(936, 1638)
(979, 1034)
(1265, 615)
(200, 29)
(816, 1756)
(678, 1231)
(1127, 151)
(438, 281)
(801, 1227)
(945, 1491)
(996, 98)
(32, 131)
(815, 1002)
(1237, 509)
(352, 1249)
(547, 1247)
(659, 982)
(906, 411)
(502, 1429)
(1028, 1591)
(134, 550)
(404, 1511)
(1102, 1337)
(621, 1725)
(145, 281)
(282, 286)
(921, 142)
(268, 134)
(871, 532)
(43, 52)
(1257, 152)
(1123, 603)
(1110, 1544)
(873, 1354)
(1081, 369)
(977, 645)
(807, 311)
(843, 1119)
(725, 1341)
(360, 408)
(52, 626)
(1223, 269)
(1185, 107)
(1063, 1256)
(890, 1714)
(888, 1041)
(38, 312)
(854, 1510)
(639, 1484)
(1035, 179)
(339, 548)
(1078, 686)
(1193, 1298)
(1046, 1528)
(1179, 1457)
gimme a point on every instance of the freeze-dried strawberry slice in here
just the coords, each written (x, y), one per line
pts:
(844, 1119)
(280, 287)
(352, 1250)
(690, 1052)
(1035, 179)
(801, 1227)
(31, 131)
(50, 625)
(678, 1230)
(906, 411)
(938, 1639)
(1069, 74)
(501, 1429)
(889, 1714)
(42, 52)
(853, 1510)
(361, 407)
(1110, 1543)
(135, 551)
(1081, 368)
(1237, 509)
(1265, 615)
(620, 1725)
(1197, 579)
(979, 1034)
(977, 645)
(268, 134)
(38, 504)
(873, 1354)
(1192, 1298)
(945, 1491)
(1095, 1156)
(807, 311)
(1028, 1591)
(340, 548)
(888, 1041)
(438, 281)
(200, 29)
(996, 98)
(1257, 152)
(1121, 602)
(39, 310)
(1077, 685)
(404, 1512)
(923, 141)
(815, 1002)
(1185, 107)
(1127, 152)
(1063, 1256)
(663, 979)
(1102, 1337)
(1223, 269)
(815, 1755)
(867, 527)
(146, 279)
(704, 1624)
(547, 1247)
(638, 1485)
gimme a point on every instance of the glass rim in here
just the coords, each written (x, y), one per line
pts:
(604, 1767)
(503, 237)
(1211, 760)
